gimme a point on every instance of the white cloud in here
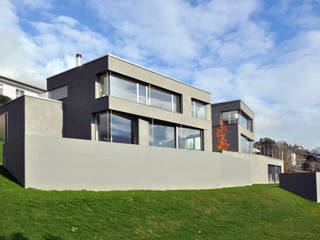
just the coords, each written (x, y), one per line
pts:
(33, 58)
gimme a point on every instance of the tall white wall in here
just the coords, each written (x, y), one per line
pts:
(65, 163)
(74, 164)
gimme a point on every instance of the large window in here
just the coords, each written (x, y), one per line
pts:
(190, 138)
(114, 127)
(164, 99)
(166, 135)
(162, 135)
(125, 88)
(245, 121)
(231, 117)
(246, 145)
(198, 109)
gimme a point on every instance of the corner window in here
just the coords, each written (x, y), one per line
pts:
(246, 144)
(198, 109)
(114, 127)
(19, 93)
(102, 85)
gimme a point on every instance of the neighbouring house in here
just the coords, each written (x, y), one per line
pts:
(110, 124)
(14, 89)
(239, 119)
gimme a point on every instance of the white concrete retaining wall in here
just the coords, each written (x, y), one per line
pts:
(65, 163)
(259, 165)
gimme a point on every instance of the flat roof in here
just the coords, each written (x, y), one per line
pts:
(22, 83)
(232, 101)
(150, 70)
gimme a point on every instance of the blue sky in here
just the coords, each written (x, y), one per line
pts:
(266, 53)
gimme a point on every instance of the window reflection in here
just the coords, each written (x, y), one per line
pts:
(199, 109)
(114, 127)
(123, 88)
(121, 129)
(160, 99)
(246, 145)
(190, 138)
(162, 135)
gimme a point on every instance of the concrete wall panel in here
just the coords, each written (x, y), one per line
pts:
(64, 163)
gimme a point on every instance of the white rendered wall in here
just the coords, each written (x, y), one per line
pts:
(10, 91)
(74, 164)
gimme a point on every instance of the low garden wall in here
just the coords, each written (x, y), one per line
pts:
(306, 185)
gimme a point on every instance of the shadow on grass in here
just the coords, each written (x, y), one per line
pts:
(14, 236)
(5, 173)
(19, 236)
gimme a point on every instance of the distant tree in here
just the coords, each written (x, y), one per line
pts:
(4, 99)
(221, 134)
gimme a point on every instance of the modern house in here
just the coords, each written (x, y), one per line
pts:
(14, 89)
(110, 124)
(239, 119)
(112, 100)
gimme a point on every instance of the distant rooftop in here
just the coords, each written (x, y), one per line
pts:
(22, 83)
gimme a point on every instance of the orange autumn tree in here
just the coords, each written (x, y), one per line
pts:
(221, 134)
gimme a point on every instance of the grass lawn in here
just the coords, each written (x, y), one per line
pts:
(254, 212)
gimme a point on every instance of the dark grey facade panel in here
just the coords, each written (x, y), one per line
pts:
(216, 110)
(232, 138)
(81, 103)
(13, 149)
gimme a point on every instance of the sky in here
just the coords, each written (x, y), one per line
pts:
(266, 53)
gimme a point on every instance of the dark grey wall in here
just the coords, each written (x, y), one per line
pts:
(80, 104)
(232, 136)
(216, 109)
(13, 150)
(303, 184)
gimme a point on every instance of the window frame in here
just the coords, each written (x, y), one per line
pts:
(194, 102)
(109, 114)
(138, 83)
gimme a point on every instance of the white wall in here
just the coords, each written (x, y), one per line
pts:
(10, 91)
(74, 164)
(65, 163)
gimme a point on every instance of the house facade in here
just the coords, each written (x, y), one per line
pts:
(14, 89)
(239, 119)
(110, 99)
(113, 125)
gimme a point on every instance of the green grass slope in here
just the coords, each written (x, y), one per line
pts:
(253, 212)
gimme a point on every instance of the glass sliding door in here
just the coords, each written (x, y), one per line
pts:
(162, 135)
(115, 127)
(121, 129)
(190, 138)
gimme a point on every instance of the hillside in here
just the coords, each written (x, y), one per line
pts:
(253, 212)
